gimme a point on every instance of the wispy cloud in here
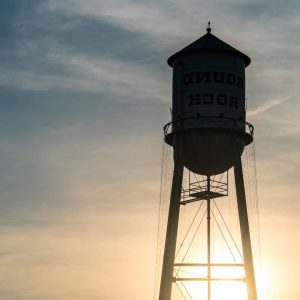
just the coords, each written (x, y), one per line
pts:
(127, 81)
(124, 80)
(266, 106)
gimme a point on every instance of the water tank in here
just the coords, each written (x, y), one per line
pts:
(208, 107)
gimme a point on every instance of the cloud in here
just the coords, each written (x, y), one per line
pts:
(265, 106)
(52, 52)
(124, 80)
(128, 82)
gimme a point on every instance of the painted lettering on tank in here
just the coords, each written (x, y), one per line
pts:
(213, 99)
(233, 102)
(194, 99)
(222, 99)
(208, 99)
(231, 79)
(203, 77)
(219, 77)
(188, 78)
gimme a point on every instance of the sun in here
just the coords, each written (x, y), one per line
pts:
(227, 289)
(232, 286)
(219, 290)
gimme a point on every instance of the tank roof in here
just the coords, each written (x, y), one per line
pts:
(208, 42)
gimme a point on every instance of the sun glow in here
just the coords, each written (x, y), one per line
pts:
(213, 238)
(229, 290)
(220, 289)
(234, 289)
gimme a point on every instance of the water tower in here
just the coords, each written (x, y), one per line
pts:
(208, 133)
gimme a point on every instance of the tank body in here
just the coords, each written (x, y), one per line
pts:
(208, 107)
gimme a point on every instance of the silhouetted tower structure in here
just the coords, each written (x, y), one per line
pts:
(208, 133)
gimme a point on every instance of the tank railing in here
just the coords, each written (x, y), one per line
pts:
(215, 185)
(218, 187)
(168, 128)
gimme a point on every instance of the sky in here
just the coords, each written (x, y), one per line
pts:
(85, 92)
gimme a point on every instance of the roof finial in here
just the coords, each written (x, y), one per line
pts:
(208, 29)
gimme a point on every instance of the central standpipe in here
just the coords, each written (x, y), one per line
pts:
(208, 243)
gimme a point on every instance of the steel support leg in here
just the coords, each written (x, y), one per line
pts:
(245, 231)
(171, 236)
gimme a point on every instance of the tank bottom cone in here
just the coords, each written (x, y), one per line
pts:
(210, 151)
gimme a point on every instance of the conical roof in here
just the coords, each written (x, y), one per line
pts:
(208, 42)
